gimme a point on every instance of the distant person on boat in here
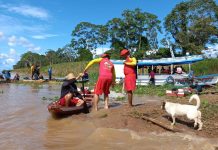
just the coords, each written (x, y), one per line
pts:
(106, 78)
(36, 72)
(152, 77)
(32, 69)
(41, 77)
(16, 77)
(85, 76)
(50, 73)
(69, 93)
(162, 69)
(7, 75)
(191, 77)
(1, 76)
(179, 70)
(130, 74)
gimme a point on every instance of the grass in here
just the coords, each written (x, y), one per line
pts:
(62, 69)
(49, 98)
(153, 90)
(207, 66)
(209, 110)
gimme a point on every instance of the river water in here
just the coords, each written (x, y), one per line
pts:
(25, 124)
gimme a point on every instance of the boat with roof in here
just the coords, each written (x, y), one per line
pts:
(167, 70)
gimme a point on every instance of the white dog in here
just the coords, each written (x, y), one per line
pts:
(191, 111)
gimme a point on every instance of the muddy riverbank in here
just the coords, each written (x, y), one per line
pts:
(26, 124)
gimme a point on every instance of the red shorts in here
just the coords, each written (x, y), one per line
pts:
(130, 82)
(103, 86)
(73, 101)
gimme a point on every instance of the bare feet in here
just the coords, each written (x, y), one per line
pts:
(95, 108)
(131, 105)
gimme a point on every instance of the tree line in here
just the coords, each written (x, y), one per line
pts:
(189, 27)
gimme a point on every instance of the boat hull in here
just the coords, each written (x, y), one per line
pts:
(58, 111)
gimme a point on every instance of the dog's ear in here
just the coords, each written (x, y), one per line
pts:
(163, 105)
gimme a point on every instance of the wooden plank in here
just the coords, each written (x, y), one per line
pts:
(156, 122)
(162, 125)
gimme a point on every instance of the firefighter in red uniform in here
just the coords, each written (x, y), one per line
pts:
(130, 74)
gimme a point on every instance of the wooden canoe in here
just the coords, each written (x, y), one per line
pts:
(59, 111)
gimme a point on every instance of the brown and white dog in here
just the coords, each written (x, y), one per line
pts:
(191, 111)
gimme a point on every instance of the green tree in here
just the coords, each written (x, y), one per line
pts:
(88, 36)
(69, 53)
(193, 24)
(29, 58)
(50, 56)
(132, 27)
(140, 53)
(84, 55)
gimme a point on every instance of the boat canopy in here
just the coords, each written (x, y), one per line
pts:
(166, 61)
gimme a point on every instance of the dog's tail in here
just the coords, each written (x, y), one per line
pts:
(196, 97)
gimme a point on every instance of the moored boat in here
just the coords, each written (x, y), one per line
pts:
(34, 81)
(161, 78)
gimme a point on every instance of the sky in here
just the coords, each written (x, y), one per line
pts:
(39, 25)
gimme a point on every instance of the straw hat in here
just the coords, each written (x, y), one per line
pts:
(70, 76)
(124, 52)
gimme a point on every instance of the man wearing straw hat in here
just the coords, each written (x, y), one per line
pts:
(69, 94)
(105, 80)
(130, 74)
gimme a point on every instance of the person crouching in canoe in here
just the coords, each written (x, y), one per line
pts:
(69, 94)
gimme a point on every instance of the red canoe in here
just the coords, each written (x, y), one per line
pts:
(58, 111)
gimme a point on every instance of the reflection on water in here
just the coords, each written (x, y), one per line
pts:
(25, 124)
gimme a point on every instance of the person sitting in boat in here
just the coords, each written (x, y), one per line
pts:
(69, 93)
(16, 77)
(41, 77)
(1, 76)
(179, 70)
(35, 76)
(162, 69)
(7, 75)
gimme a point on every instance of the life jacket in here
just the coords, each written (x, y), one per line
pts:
(128, 69)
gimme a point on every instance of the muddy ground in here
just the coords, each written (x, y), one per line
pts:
(120, 116)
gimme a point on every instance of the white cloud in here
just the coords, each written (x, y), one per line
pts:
(11, 25)
(3, 56)
(45, 36)
(12, 40)
(22, 41)
(9, 61)
(12, 51)
(1, 35)
(101, 50)
(27, 10)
